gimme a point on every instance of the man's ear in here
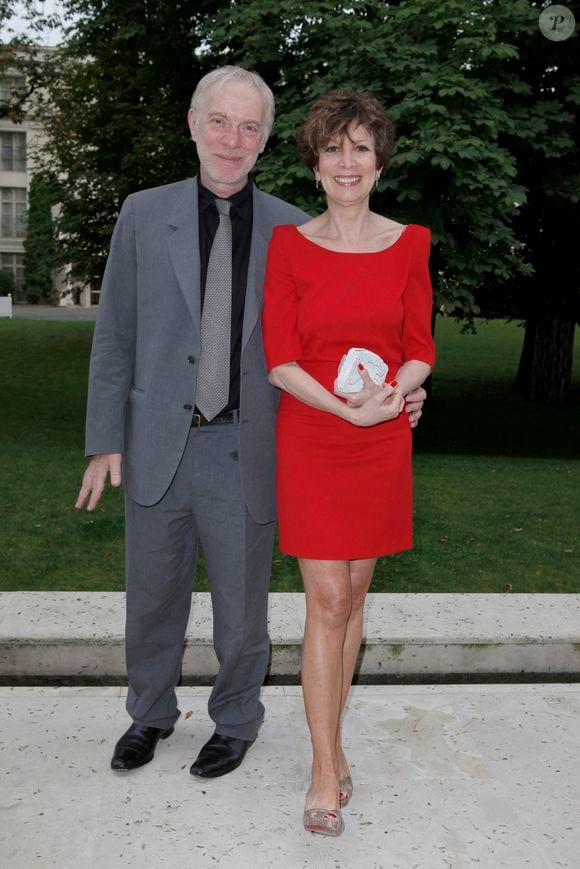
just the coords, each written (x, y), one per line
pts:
(191, 123)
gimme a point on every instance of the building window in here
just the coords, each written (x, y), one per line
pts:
(13, 152)
(13, 263)
(9, 85)
(13, 204)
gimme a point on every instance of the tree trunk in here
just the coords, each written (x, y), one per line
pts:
(545, 366)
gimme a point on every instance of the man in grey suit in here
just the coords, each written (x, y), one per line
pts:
(191, 476)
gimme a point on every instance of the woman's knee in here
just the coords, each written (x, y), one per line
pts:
(328, 591)
(330, 608)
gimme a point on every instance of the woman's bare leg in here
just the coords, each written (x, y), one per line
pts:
(328, 588)
(361, 574)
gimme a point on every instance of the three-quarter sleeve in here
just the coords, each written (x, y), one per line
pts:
(279, 316)
(418, 304)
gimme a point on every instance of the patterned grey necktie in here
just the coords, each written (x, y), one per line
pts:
(213, 376)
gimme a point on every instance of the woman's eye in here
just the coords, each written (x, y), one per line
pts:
(331, 149)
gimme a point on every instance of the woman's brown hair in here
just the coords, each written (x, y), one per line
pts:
(331, 116)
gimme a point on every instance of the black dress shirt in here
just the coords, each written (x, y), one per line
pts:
(241, 214)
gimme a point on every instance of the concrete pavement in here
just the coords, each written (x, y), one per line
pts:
(446, 777)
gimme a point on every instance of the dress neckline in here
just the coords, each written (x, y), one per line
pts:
(355, 252)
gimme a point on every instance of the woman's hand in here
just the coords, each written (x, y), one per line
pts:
(386, 405)
(357, 399)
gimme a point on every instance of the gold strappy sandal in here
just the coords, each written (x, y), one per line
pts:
(346, 789)
(327, 822)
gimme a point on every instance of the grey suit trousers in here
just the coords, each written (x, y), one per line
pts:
(204, 504)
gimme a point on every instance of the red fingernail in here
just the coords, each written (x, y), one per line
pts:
(361, 367)
(394, 384)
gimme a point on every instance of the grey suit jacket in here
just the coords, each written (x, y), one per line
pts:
(141, 380)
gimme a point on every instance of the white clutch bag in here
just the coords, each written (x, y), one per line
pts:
(349, 379)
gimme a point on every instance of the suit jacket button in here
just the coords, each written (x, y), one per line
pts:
(188, 407)
(191, 359)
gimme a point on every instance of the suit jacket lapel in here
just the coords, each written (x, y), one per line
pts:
(184, 247)
(261, 232)
(184, 254)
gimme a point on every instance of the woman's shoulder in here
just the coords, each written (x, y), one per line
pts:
(284, 240)
(285, 230)
(420, 236)
(418, 230)
(287, 234)
(390, 225)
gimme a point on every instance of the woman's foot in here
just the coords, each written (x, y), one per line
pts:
(327, 823)
(346, 789)
(323, 793)
(322, 806)
(345, 780)
(343, 769)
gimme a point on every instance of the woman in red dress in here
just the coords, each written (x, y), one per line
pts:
(348, 278)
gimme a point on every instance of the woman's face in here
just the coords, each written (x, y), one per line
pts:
(347, 166)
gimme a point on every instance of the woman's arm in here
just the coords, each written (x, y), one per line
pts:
(413, 377)
(412, 374)
(381, 407)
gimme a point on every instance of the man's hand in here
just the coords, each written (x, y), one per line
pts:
(414, 405)
(95, 477)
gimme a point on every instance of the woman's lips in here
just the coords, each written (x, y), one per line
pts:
(347, 180)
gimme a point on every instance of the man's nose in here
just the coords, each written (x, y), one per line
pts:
(232, 136)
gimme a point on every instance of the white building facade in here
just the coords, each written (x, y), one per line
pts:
(16, 143)
(19, 144)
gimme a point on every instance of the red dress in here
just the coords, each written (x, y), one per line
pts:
(343, 491)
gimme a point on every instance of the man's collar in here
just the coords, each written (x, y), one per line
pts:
(239, 200)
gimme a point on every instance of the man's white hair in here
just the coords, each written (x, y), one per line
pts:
(225, 74)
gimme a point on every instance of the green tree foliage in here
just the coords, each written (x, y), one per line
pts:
(115, 111)
(485, 118)
(486, 111)
(546, 151)
(427, 62)
(21, 58)
(6, 283)
(39, 246)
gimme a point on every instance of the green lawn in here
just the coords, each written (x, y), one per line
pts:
(497, 494)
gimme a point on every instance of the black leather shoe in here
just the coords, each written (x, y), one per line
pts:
(137, 746)
(220, 755)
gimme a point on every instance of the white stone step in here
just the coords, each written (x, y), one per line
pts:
(79, 636)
